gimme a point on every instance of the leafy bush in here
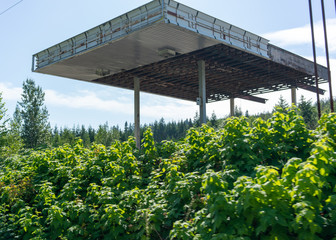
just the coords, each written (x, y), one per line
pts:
(273, 179)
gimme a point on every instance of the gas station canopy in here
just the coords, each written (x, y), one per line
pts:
(161, 43)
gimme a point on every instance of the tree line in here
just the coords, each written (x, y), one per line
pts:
(29, 128)
(106, 134)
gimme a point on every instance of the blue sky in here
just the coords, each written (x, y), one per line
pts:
(34, 25)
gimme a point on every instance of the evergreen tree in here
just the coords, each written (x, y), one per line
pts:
(55, 137)
(308, 112)
(325, 105)
(3, 122)
(76, 131)
(237, 111)
(196, 120)
(104, 135)
(35, 126)
(162, 130)
(10, 141)
(115, 133)
(92, 133)
(16, 121)
(84, 135)
(128, 131)
(213, 120)
(67, 136)
(181, 128)
(282, 103)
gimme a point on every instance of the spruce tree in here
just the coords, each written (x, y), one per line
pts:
(35, 129)
(308, 112)
(282, 103)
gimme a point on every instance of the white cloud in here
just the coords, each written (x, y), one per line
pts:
(85, 100)
(151, 106)
(90, 100)
(169, 110)
(302, 35)
(10, 93)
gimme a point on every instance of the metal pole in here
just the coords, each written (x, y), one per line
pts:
(232, 107)
(163, 2)
(315, 64)
(137, 111)
(293, 89)
(327, 56)
(202, 90)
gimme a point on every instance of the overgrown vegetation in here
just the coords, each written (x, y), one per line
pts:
(273, 179)
(270, 176)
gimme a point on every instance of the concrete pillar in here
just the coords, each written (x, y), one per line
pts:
(137, 111)
(232, 107)
(293, 89)
(202, 90)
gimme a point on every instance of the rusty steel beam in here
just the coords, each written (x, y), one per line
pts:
(311, 89)
(253, 98)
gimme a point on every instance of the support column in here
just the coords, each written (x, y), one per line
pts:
(202, 90)
(137, 111)
(293, 89)
(232, 107)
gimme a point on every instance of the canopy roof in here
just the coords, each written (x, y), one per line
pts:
(161, 42)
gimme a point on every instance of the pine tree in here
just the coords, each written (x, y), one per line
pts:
(35, 130)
